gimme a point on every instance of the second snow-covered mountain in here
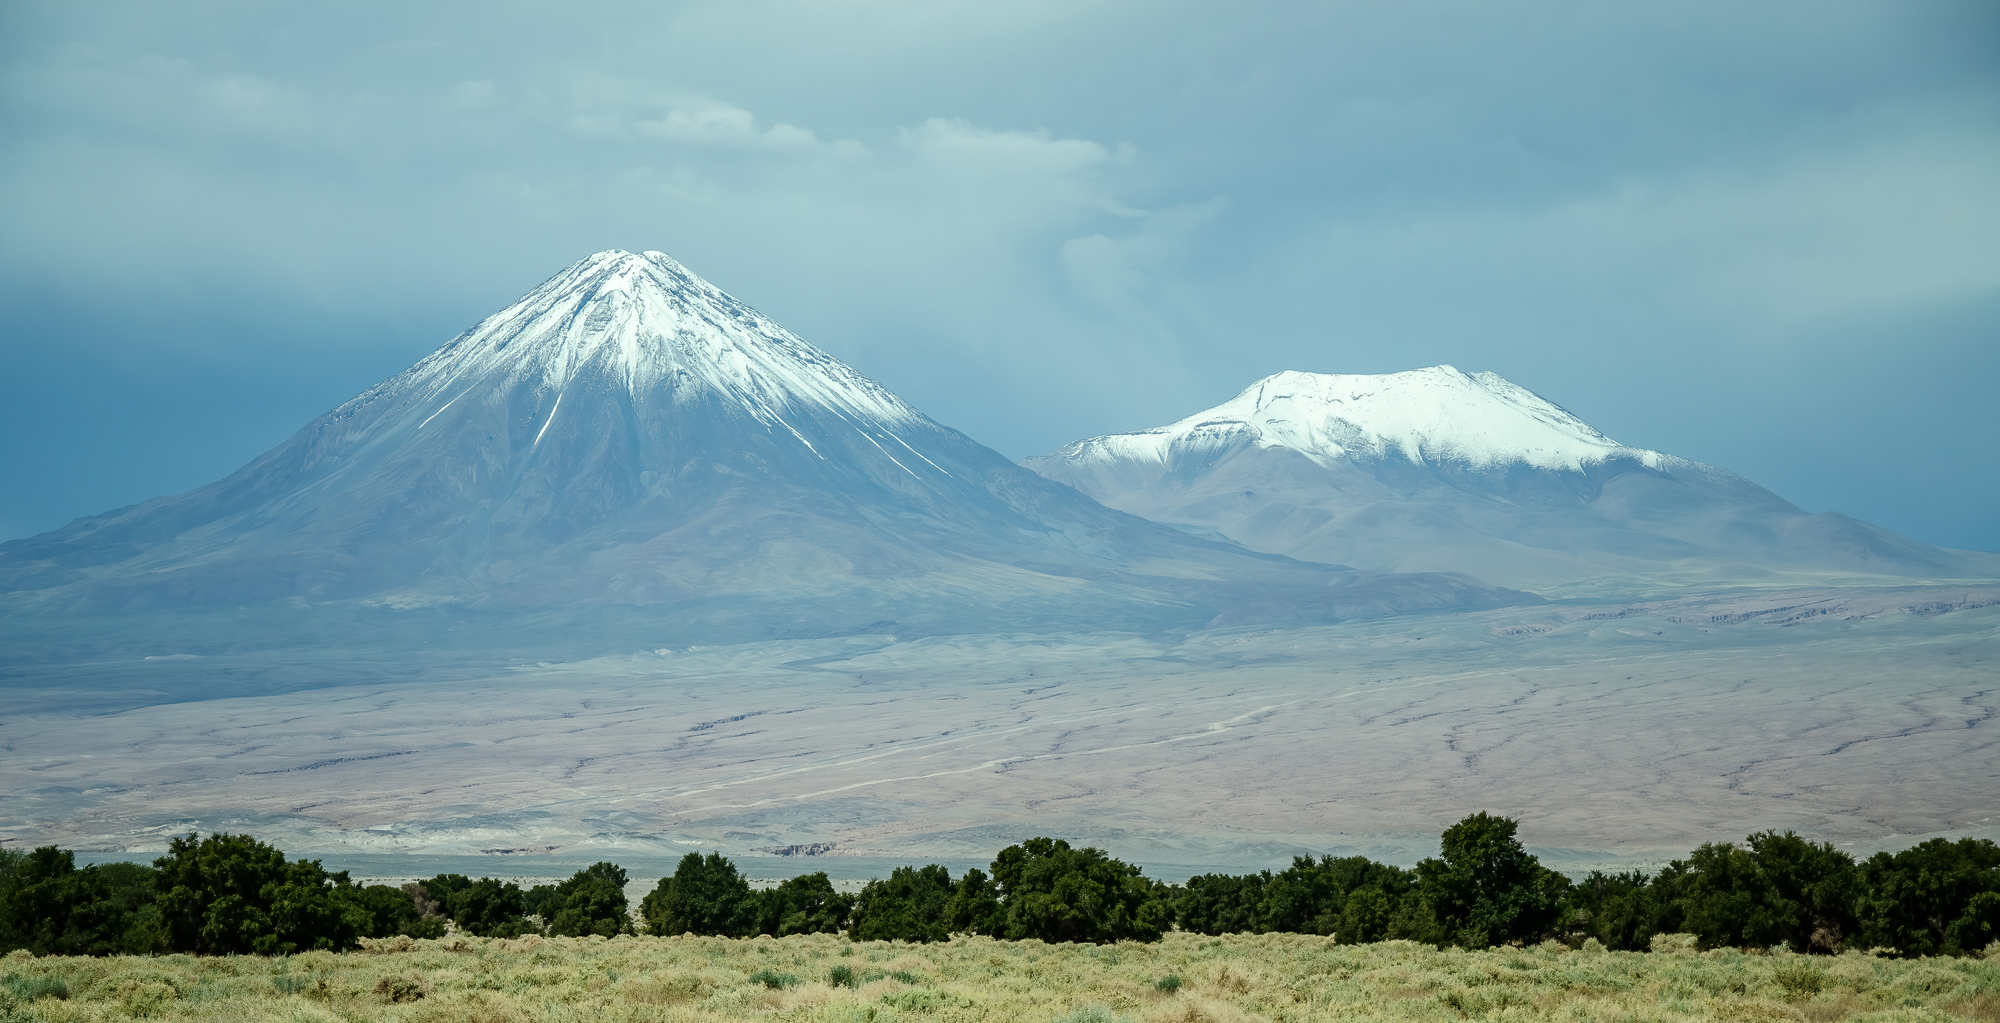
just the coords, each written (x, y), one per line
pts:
(1438, 470)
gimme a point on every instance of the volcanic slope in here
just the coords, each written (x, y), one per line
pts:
(629, 454)
(1435, 468)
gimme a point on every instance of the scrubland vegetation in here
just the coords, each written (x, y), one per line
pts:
(1182, 977)
(226, 928)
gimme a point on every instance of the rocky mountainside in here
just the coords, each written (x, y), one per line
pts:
(630, 453)
(1439, 470)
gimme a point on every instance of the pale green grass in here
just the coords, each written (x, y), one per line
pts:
(1269, 977)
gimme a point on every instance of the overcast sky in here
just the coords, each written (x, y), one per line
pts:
(1765, 235)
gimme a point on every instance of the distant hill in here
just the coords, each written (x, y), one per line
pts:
(628, 454)
(1439, 470)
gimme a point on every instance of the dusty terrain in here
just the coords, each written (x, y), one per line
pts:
(1613, 731)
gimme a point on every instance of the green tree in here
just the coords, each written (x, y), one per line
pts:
(911, 904)
(1816, 881)
(1053, 892)
(975, 906)
(1622, 911)
(1352, 896)
(1221, 903)
(592, 901)
(807, 904)
(50, 906)
(1936, 898)
(1781, 890)
(384, 911)
(705, 895)
(441, 888)
(231, 894)
(490, 908)
(1487, 889)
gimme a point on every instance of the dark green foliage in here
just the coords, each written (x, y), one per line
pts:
(704, 896)
(1936, 898)
(49, 906)
(975, 906)
(842, 975)
(1169, 984)
(806, 904)
(231, 894)
(1353, 897)
(489, 908)
(1782, 890)
(592, 901)
(1487, 890)
(1053, 892)
(909, 905)
(382, 911)
(772, 980)
(1222, 903)
(1622, 911)
(441, 888)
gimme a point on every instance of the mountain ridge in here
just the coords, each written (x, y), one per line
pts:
(1425, 468)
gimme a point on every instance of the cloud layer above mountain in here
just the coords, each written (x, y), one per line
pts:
(1759, 237)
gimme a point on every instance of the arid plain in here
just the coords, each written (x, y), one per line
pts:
(1616, 732)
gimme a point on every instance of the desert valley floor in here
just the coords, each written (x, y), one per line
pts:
(1616, 732)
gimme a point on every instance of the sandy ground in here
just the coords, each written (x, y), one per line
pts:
(1862, 717)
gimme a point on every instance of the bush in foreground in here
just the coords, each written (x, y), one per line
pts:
(1298, 978)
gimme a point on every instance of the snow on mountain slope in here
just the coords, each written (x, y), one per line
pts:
(1432, 415)
(647, 323)
(1439, 470)
(629, 437)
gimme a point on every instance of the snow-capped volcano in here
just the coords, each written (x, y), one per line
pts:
(1436, 469)
(645, 322)
(627, 443)
(1426, 416)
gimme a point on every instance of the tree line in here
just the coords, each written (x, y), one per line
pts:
(233, 894)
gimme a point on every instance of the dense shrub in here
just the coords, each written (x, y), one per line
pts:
(489, 907)
(1353, 897)
(704, 895)
(1781, 890)
(909, 905)
(807, 904)
(1620, 911)
(232, 894)
(49, 906)
(592, 901)
(1053, 892)
(1486, 889)
(382, 911)
(1936, 898)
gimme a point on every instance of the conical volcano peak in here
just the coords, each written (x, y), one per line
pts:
(649, 325)
(1431, 415)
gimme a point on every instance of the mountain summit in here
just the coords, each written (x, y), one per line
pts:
(1435, 468)
(1436, 415)
(629, 451)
